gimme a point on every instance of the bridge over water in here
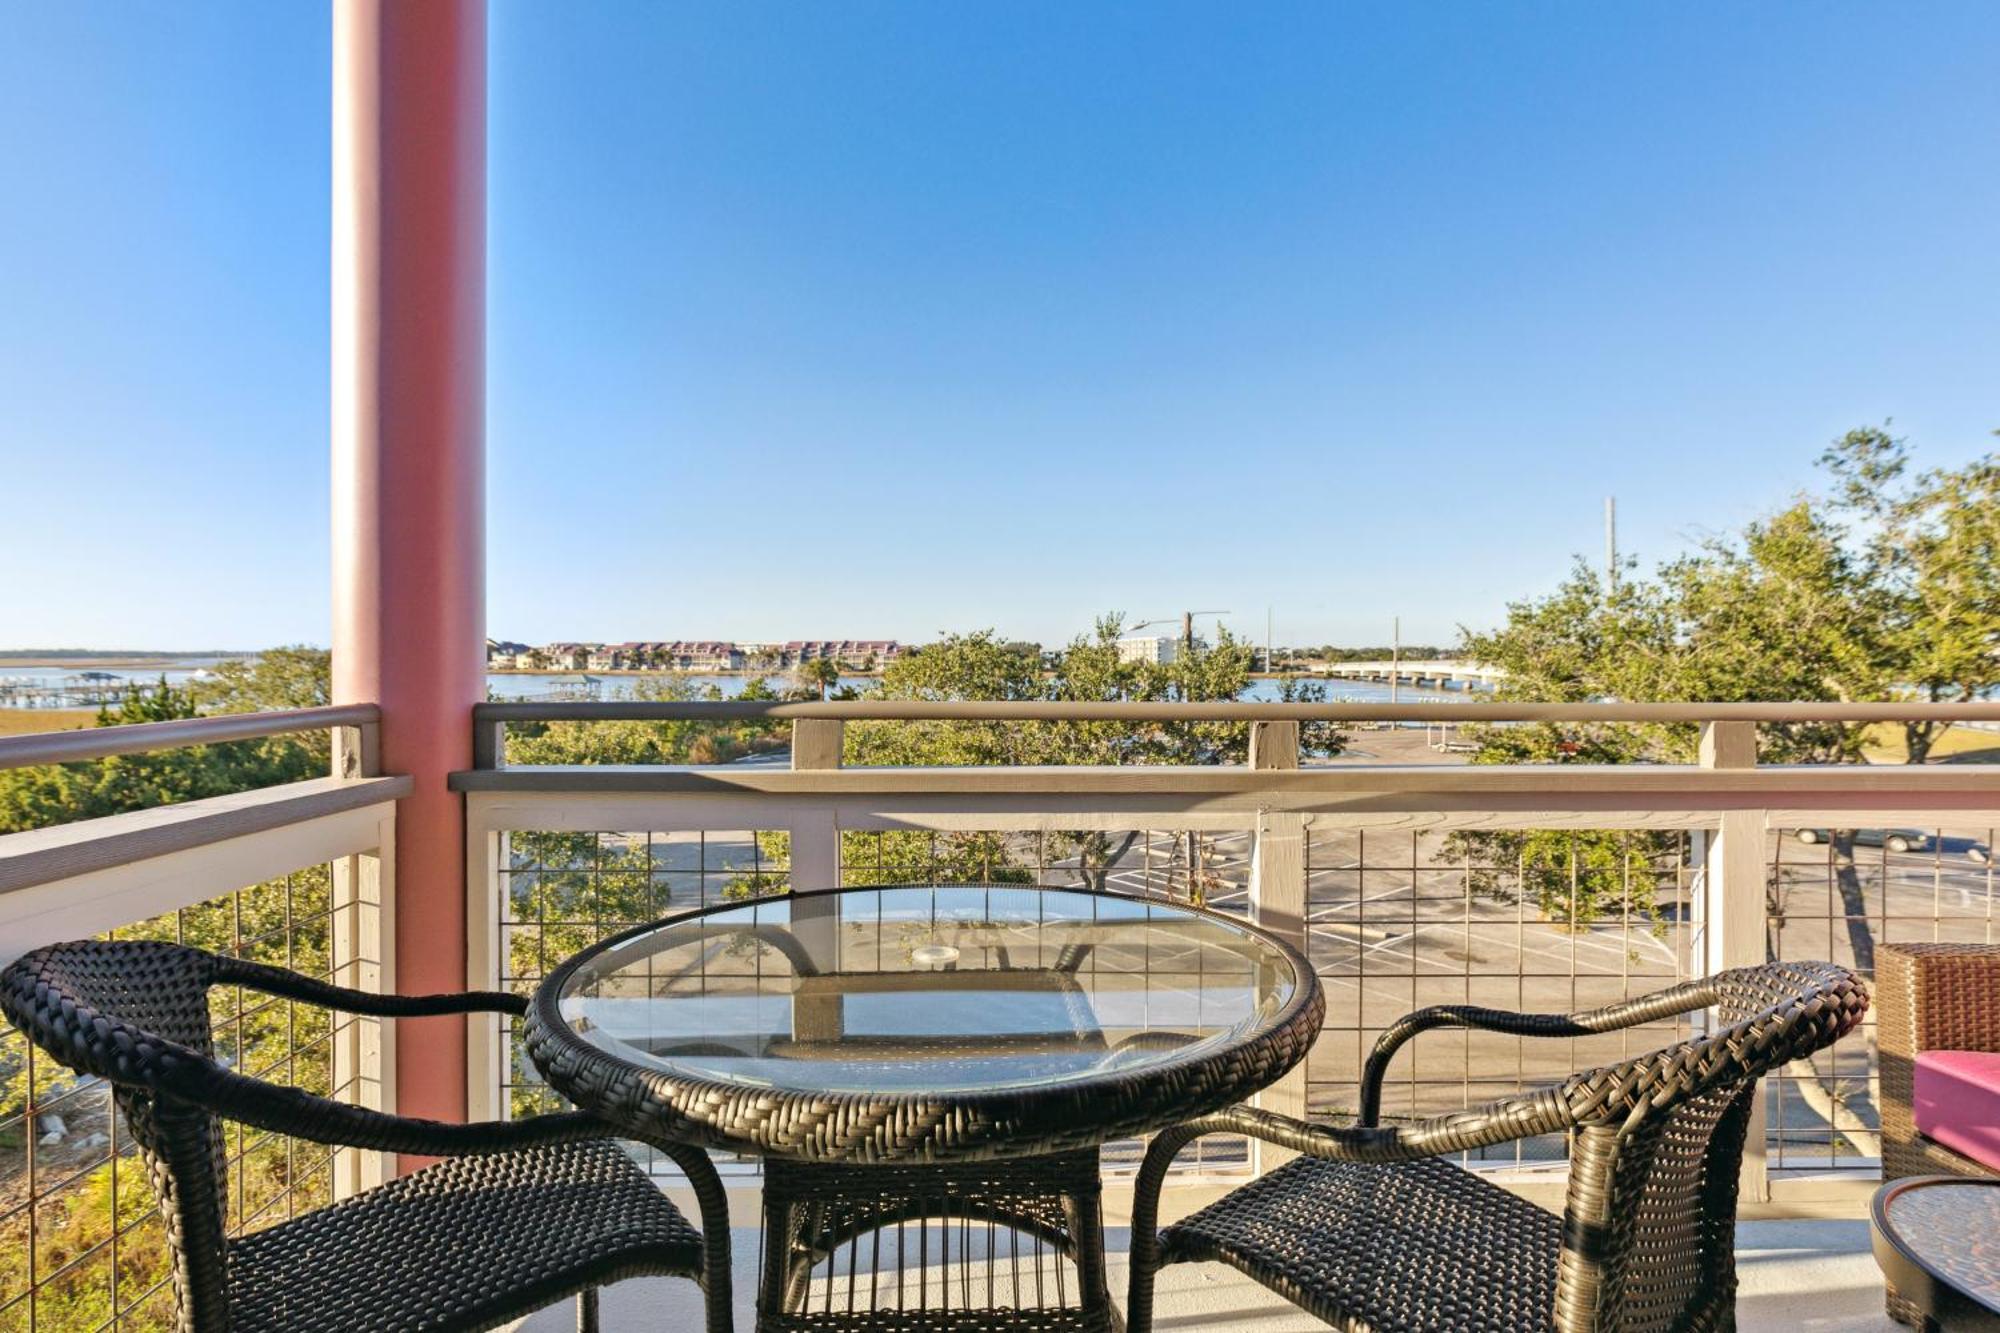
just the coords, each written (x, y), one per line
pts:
(1436, 673)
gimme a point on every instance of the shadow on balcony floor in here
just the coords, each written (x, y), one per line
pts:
(1813, 1276)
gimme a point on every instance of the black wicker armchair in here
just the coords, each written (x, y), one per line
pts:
(1370, 1230)
(521, 1214)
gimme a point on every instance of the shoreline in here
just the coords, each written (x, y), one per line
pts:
(133, 663)
(653, 671)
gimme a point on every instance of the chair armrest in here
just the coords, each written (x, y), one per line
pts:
(1651, 1008)
(290, 985)
(299, 1114)
(1504, 1121)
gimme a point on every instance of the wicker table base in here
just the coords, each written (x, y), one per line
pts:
(959, 1246)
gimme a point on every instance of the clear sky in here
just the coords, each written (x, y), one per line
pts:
(878, 319)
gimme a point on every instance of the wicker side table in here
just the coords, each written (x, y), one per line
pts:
(929, 1073)
(1938, 1241)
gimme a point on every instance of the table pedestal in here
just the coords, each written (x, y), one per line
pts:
(1000, 1245)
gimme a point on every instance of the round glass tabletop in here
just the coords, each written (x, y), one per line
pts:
(931, 990)
(1948, 1225)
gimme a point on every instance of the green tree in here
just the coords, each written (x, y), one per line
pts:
(57, 794)
(678, 741)
(981, 666)
(293, 676)
(1929, 552)
(820, 673)
(1886, 588)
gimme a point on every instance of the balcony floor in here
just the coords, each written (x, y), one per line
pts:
(1813, 1276)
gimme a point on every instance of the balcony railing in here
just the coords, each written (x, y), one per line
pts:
(1358, 863)
(1355, 861)
(82, 1242)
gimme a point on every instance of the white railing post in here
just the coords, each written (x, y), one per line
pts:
(816, 744)
(1732, 905)
(1278, 898)
(361, 949)
(363, 957)
(487, 1038)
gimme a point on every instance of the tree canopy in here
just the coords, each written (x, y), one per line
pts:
(980, 666)
(292, 677)
(1884, 584)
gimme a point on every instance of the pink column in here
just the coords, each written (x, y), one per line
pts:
(409, 386)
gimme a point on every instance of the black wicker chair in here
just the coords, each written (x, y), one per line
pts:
(521, 1214)
(1369, 1230)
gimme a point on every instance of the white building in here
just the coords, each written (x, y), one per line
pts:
(1157, 649)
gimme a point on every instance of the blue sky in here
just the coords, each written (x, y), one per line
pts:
(879, 319)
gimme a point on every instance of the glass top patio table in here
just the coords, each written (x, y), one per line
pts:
(927, 1022)
(1937, 1239)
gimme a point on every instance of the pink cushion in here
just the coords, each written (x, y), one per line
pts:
(1957, 1098)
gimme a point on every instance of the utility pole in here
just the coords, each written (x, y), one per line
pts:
(1187, 627)
(1610, 541)
(1267, 638)
(1395, 655)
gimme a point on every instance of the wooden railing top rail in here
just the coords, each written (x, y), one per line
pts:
(66, 851)
(62, 747)
(860, 710)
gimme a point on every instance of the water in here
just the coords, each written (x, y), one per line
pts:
(583, 685)
(66, 687)
(557, 685)
(29, 686)
(1367, 692)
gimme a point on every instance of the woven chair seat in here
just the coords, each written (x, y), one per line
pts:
(466, 1244)
(1373, 1229)
(1423, 1246)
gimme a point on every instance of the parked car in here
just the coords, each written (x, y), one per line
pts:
(1895, 839)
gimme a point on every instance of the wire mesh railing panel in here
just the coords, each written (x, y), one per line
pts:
(1211, 869)
(1839, 894)
(1540, 921)
(561, 892)
(82, 1242)
(1207, 868)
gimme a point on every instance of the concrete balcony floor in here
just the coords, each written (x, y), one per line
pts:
(1814, 1276)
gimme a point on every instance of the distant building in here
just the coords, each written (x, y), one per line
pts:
(849, 652)
(699, 655)
(702, 655)
(1155, 649)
